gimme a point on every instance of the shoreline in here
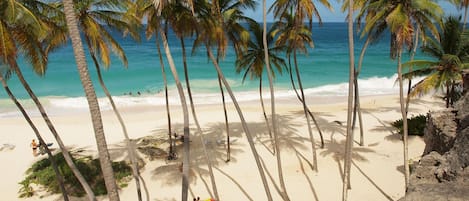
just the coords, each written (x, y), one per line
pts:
(375, 173)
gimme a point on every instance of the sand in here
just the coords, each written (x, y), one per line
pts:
(376, 169)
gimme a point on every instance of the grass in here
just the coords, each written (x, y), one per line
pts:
(416, 125)
(42, 174)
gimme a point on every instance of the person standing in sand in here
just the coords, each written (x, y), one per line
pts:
(34, 147)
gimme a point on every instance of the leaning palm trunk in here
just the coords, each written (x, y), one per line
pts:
(129, 145)
(300, 85)
(404, 120)
(307, 109)
(227, 125)
(409, 85)
(58, 176)
(104, 158)
(186, 161)
(349, 137)
(165, 81)
(272, 105)
(264, 113)
(357, 107)
(243, 123)
(199, 129)
(65, 153)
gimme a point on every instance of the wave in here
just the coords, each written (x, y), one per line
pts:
(368, 86)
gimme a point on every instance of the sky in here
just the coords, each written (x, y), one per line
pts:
(336, 15)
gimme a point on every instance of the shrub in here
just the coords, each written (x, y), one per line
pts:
(41, 173)
(416, 125)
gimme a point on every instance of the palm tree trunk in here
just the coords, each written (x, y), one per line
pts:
(199, 129)
(272, 102)
(315, 159)
(357, 107)
(165, 81)
(65, 152)
(186, 161)
(349, 137)
(129, 145)
(104, 158)
(58, 175)
(243, 123)
(307, 109)
(409, 86)
(227, 125)
(264, 113)
(404, 120)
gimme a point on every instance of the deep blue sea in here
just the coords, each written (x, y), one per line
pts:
(324, 72)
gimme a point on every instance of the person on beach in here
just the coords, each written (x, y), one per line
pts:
(34, 146)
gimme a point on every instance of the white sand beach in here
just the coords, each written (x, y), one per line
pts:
(376, 170)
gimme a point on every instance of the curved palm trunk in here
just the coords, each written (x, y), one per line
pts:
(186, 161)
(58, 175)
(165, 81)
(349, 137)
(227, 125)
(404, 120)
(315, 159)
(263, 111)
(307, 109)
(199, 129)
(272, 102)
(65, 152)
(104, 158)
(357, 107)
(129, 145)
(243, 123)
(409, 86)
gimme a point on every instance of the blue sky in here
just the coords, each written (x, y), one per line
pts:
(336, 16)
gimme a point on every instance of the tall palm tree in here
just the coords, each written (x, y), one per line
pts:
(146, 8)
(207, 33)
(23, 32)
(450, 51)
(402, 18)
(100, 42)
(229, 14)
(156, 17)
(184, 25)
(462, 4)
(252, 61)
(349, 137)
(58, 175)
(295, 36)
(104, 158)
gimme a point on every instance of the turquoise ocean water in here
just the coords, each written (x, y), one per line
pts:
(324, 72)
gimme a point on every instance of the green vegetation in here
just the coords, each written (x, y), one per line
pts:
(41, 173)
(416, 125)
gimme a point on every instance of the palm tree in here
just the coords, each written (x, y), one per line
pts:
(402, 18)
(295, 36)
(104, 158)
(156, 17)
(100, 42)
(252, 61)
(229, 15)
(146, 8)
(207, 33)
(349, 137)
(16, 33)
(304, 10)
(183, 24)
(59, 177)
(450, 50)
